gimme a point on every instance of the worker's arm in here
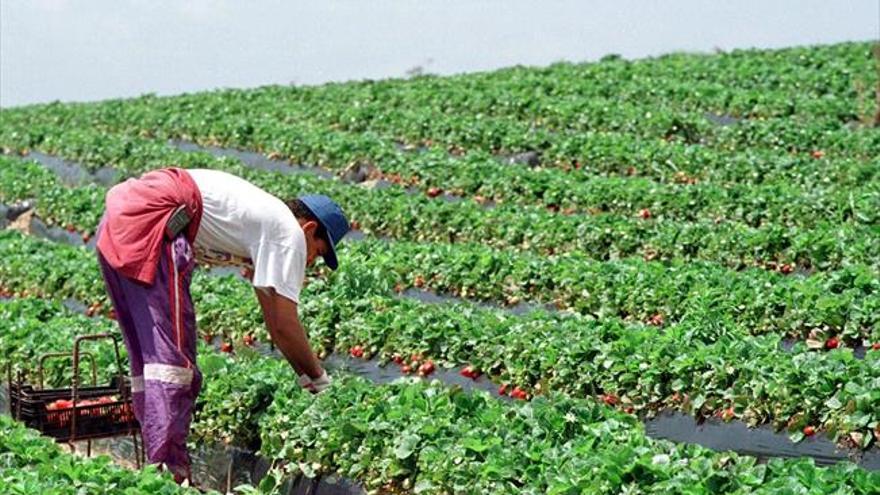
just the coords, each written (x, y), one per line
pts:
(282, 320)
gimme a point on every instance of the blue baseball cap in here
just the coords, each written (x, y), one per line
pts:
(330, 217)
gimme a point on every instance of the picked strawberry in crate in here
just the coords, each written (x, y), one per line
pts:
(82, 412)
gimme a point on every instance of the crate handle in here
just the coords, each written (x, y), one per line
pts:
(76, 344)
(90, 355)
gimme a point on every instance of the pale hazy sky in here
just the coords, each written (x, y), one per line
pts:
(95, 49)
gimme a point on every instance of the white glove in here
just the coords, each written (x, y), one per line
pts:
(304, 381)
(314, 385)
(321, 383)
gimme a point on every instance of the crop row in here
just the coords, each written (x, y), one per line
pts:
(427, 438)
(849, 196)
(581, 119)
(845, 197)
(393, 212)
(34, 464)
(31, 325)
(844, 301)
(581, 158)
(760, 84)
(515, 112)
(846, 313)
(819, 81)
(56, 204)
(430, 439)
(696, 366)
(840, 301)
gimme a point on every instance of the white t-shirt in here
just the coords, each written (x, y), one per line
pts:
(243, 225)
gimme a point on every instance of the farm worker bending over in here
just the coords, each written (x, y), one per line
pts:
(153, 231)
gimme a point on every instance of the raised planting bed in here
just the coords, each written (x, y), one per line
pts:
(834, 302)
(35, 464)
(639, 232)
(652, 276)
(246, 390)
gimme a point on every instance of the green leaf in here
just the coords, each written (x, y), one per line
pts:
(833, 403)
(406, 446)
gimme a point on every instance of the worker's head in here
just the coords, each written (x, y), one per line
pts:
(323, 224)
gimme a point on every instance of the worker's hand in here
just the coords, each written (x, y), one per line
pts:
(304, 381)
(321, 383)
(316, 385)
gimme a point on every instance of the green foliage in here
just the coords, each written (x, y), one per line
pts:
(32, 464)
(697, 363)
(681, 250)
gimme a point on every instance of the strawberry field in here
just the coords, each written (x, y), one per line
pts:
(548, 260)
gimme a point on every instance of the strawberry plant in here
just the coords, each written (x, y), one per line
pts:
(576, 355)
(736, 244)
(35, 464)
(698, 232)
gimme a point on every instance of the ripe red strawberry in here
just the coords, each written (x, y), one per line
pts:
(355, 225)
(357, 351)
(419, 281)
(809, 431)
(728, 414)
(502, 390)
(397, 358)
(86, 237)
(208, 338)
(645, 213)
(610, 399)
(59, 404)
(416, 357)
(876, 346)
(518, 393)
(248, 340)
(226, 347)
(426, 368)
(406, 369)
(470, 372)
(628, 409)
(433, 192)
(786, 268)
(817, 154)
(70, 228)
(656, 320)
(111, 314)
(832, 343)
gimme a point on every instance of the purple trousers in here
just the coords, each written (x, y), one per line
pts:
(159, 328)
